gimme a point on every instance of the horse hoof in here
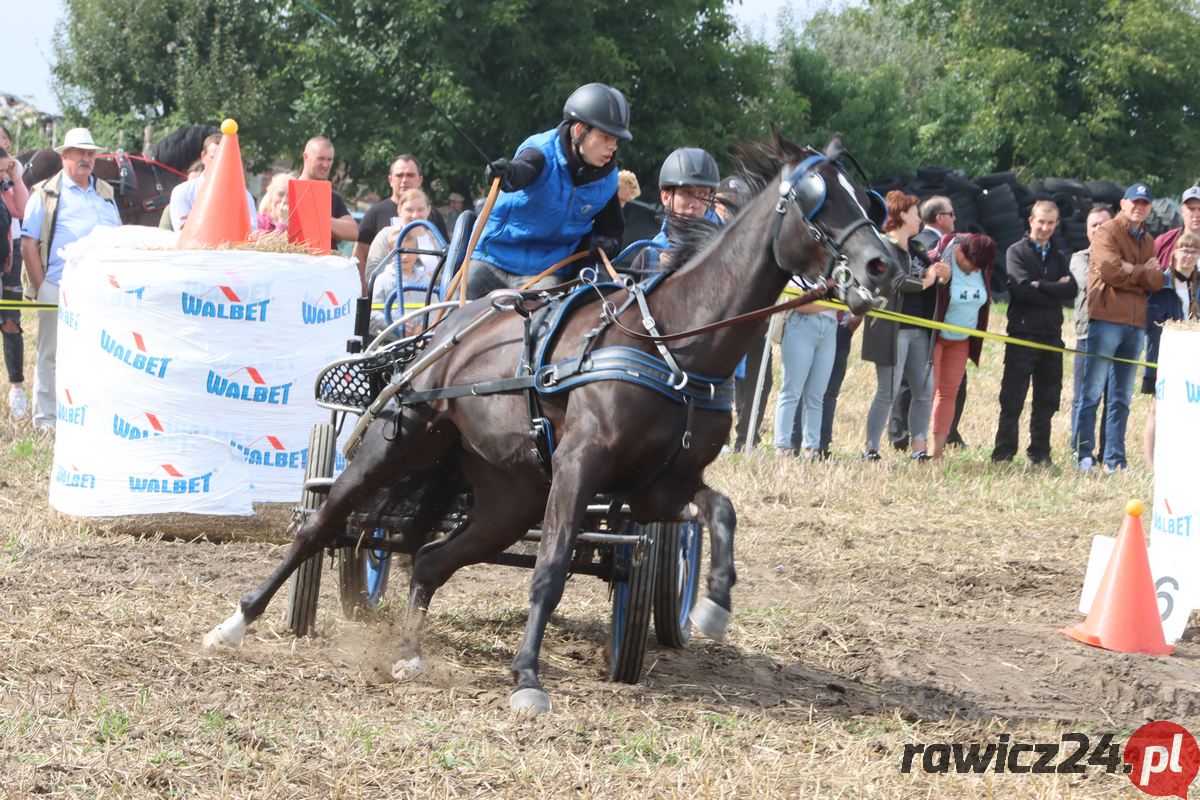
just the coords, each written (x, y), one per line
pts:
(710, 618)
(406, 669)
(529, 701)
(228, 634)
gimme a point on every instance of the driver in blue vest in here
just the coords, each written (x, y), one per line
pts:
(559, 193)
(687, 184)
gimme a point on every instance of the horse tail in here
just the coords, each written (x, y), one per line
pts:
(420, 499)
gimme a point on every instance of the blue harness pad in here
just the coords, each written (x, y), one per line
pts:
(618, 363)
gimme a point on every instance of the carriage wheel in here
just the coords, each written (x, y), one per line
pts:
(364, 575)
(678, 582)
(305, 586)
(632, 601)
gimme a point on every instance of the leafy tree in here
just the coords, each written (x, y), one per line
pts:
(1090, 88)
(358, 71)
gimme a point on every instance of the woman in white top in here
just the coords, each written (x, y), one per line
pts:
(417, 269)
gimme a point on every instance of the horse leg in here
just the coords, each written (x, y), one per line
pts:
(378, 460)
(502, 513)
(711, 613)
(570, 493)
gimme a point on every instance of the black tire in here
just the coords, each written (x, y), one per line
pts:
(996, 179)
(363, 576)
(957, 183)
(304, 588)
(632, 603)
(678, 582)
(1105, 192)
(1067, 186)
(932, 173)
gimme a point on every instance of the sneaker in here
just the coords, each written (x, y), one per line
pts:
(871, 455)
(1086, 464)
(18, 401)
(920, 455)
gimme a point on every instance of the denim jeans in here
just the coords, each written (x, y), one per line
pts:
(913, 361)
(1120, 341)
(1077, 395)
(809, 344)
(837, 375)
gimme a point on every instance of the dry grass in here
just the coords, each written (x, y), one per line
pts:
(879, 605)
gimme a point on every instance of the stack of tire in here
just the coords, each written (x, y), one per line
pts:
(976, 210)
(996, 204)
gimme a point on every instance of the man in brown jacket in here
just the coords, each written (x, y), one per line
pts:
(1121, 270)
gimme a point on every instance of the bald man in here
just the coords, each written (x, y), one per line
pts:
(317, 164)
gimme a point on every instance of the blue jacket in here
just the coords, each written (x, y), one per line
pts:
(534, 227)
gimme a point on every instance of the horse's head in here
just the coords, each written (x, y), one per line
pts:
(834, 218)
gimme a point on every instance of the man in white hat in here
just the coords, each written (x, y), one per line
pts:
(61, 209)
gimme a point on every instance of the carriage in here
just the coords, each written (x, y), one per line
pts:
(594, 408)
(653, 570)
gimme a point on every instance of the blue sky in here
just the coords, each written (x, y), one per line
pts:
(36, 20)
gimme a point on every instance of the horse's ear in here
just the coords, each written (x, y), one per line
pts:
(835, 148)
(783, 147)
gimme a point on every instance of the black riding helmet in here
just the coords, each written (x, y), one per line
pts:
(689, 166)
(600, 106)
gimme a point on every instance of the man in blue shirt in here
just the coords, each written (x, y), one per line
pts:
(61, 210)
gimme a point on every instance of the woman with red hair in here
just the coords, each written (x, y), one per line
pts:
(903, 349)
(962, 302)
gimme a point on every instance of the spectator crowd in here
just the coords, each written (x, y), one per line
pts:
(1123, 287)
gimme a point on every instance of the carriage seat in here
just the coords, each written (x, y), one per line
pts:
(456, 251)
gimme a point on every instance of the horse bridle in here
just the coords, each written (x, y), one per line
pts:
(805, 190)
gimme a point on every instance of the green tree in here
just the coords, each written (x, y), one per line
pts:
(123, 63)
(1089, 88)
(358, 71)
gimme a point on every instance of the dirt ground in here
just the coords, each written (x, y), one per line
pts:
(879, 605)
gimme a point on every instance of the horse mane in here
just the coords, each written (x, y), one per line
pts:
(758, 164)
(181, 148)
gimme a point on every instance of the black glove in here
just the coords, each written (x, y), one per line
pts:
(502, 169)
(608, 244)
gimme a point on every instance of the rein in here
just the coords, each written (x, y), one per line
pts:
(811, 296)
(149, 161)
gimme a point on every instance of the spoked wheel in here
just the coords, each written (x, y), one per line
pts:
(632, 602)
(304, 588)
(678, 582)
(364, 575)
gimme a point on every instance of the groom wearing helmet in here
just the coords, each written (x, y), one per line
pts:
(686, 186)
(559, 193)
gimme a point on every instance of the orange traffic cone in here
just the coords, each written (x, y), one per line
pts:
(1124, 615)
(310, 212)
(220, 215)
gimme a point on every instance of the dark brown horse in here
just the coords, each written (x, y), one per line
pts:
(617, 438)
(143, 186)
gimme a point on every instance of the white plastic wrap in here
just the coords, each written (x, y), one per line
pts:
(176, 365)
(1177, 443)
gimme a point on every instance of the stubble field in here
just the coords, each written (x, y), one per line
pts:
(878, 605)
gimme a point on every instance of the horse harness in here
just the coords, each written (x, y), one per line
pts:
(537, 375)
(127, 184)
(803, 189)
